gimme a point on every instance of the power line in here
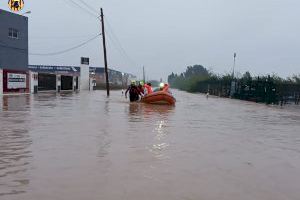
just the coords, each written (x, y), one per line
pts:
(117, 47)
(112, 43)
(11, 47)
(58, 37)
(90, 7)
(66, 50)
(81, 8)
(118, 43)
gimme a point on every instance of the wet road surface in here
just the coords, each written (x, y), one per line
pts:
(85, 146)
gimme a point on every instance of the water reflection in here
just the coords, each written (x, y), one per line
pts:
(104, 143)
(15, 103)
(15, 154)
(160, 141)
(148, 110)
(106, 107)
(135, 110)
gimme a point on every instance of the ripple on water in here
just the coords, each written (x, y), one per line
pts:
(87, 146)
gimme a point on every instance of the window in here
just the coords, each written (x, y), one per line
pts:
(13, 33)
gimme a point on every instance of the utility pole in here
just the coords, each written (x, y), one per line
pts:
(233, 83)
(144, 74)
(104, 51)
(234, 60)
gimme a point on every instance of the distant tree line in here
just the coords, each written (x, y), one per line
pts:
(268, 88)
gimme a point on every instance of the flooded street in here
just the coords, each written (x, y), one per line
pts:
(85, 146)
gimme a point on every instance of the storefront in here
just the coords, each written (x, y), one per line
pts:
(46, 82)
(67, 82)
(56, 78)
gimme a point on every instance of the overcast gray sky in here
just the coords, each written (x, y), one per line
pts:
(168, 35)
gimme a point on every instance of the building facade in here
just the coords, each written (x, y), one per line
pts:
(56, 78)
(116, 78)
(13, 52)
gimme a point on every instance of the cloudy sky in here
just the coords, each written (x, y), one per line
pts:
(167, 35)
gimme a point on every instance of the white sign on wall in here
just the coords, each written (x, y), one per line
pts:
(16, 81)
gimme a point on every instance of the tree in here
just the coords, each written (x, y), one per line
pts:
(247, 76)
(296, 79)
(196, 70)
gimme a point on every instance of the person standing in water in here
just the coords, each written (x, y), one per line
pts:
(207, 95)
(133, 92)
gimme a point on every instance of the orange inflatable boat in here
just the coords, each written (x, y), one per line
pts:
(160, 97)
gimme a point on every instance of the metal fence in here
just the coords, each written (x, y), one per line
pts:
(260, 90)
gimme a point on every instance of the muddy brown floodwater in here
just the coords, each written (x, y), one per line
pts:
(85, 146)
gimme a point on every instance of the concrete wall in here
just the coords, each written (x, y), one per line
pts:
(33, 81)
(58, 83)
(13, 52)
(84, 77)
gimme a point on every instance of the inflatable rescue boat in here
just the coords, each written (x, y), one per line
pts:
(160, 97)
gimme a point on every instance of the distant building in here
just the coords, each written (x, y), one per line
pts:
(116, 78)
(14, 74)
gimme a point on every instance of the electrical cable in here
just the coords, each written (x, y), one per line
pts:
(10, 47)
(90, 7)
(111, 43)
(117, 42)
(58, 37)
(66, 50)
(81, 8)
(85, 10)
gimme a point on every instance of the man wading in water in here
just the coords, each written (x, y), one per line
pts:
(133, 92)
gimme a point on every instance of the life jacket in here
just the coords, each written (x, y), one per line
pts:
(148, 88)
(133, 90)
(166, 88)
(140, 89)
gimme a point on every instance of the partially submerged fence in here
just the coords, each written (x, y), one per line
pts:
(263, 90)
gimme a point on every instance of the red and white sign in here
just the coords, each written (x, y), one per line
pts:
(16, 81)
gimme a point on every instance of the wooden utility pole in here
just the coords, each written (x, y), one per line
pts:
(104, 52)
(144, 78)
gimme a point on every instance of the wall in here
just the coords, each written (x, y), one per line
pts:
(13, 52)
(84, 77)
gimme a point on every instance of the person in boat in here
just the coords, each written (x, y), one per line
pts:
(133, 92)
(164, 87)
(148, 88)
